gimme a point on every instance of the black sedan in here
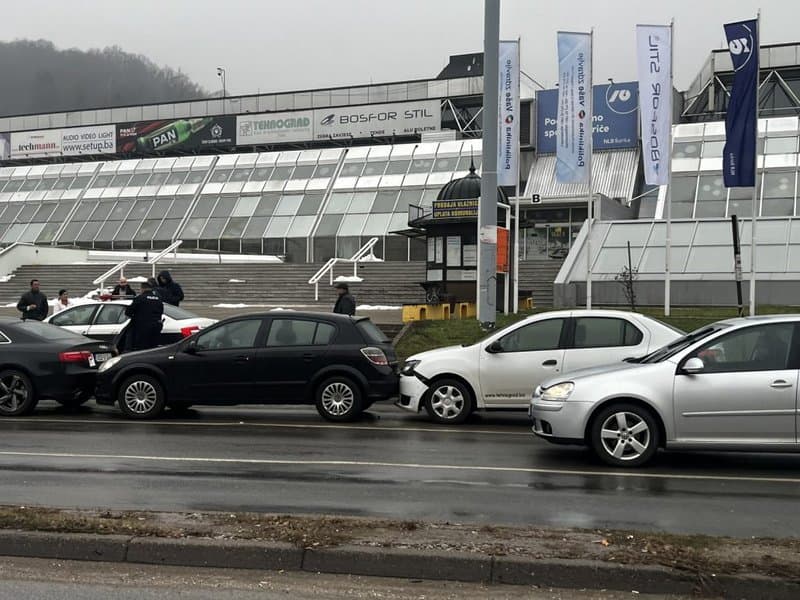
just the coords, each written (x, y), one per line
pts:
(341, 364)
(38, 360)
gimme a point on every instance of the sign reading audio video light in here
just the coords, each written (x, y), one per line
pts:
(73, 141)
(614, 122)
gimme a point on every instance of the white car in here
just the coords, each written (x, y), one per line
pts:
(105, 320)
(502, 370)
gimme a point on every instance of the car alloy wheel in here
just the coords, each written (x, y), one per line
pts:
(625, 435)
(141, 397)
(338, 398)
(16, 394)
(449, 401)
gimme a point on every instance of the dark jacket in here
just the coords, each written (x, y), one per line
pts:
(345, 305)
(123, 291)
(145, 313)
(169, 291)
(40, 300)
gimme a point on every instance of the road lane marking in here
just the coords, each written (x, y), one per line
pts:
(390, 465)
(371, 427)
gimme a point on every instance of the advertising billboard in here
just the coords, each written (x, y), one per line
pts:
(614, 121)
(73, 141)
(274, 128)
(5, 146)
(147, 137)
(377, 120)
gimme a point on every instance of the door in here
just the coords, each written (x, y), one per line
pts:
(221, 368)
(294, 352)
(598, 341)
(522, 359)
(108, 322)
(76, 319)
(747, 392)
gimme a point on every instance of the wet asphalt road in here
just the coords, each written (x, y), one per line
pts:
(393, 464)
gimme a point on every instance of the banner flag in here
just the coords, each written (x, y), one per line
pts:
(508, 101)
(654, 57)
(741, 121)
(574, 133)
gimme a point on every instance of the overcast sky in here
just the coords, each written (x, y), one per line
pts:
(278, 45)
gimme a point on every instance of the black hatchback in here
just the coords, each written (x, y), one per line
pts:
(342, 364)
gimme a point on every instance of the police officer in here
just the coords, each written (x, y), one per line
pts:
(145, 313)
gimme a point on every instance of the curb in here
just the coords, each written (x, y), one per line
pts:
(388, 562)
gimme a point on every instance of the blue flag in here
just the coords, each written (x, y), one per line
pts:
(741, 122)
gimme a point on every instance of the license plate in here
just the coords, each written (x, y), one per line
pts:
(102, 356)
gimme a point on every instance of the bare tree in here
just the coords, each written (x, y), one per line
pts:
(627, 278)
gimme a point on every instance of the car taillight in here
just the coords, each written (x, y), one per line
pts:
(76, 356)
(189, 331)
(376, 356)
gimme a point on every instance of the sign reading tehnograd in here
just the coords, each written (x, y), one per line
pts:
(74, 141)
(274, 128)
(377, 120)
(574, 133)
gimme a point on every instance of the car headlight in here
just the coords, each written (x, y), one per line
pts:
(109, 364)
(558, 392)
(408, 367)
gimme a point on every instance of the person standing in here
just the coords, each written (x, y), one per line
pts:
(122, 290)
(63, 302)
(145, 314)
(345, 303)
(33, 304)
(170, 291)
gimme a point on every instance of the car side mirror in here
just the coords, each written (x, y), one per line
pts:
(693, 366)
(191, 347)
(494, 348)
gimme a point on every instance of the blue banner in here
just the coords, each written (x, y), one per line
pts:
(614, 124)
(741, 121)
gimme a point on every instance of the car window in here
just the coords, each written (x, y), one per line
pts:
(45, 331)
(324, 334)
(605, 332)
(758, 348)
(297, 332)
(111, 314)
(177, 313)
(80, 315)
(371, 332)
(237, 334)
(542, 335)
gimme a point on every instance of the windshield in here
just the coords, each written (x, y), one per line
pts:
(681, 343)
(179, 314)
(491, 333)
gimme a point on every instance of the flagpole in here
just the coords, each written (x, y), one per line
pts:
(515, 300)
(590, 212)
(668, 199)
(754, 217)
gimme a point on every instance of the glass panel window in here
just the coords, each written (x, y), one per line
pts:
(281, 173)
(377, 224)
(62, 183)
(44, 212)
(120, 181)
(303, 172)
(384, 202)
(408, 197)
(79, 183)
(128, 229)
(167, 229)
(234, 228)
(711, 197)
(121, 210)
(740, 202)
(193, 228)
(288, 205)
(61, 212)
(13, 185)
(301, 227)
(686, 150)
(778, 200)
(88, 232)
(713, 149)
(329, 225)
(245, 206)
(85, 209)
(240, 175)
(48, 233)
(421, 165)
(220, 176)
(157, 179)
(445, 164)
(10, 213)
(139, 179)
(255, 228)
(781, 145)
(108, 230)
(147, 229)
(159, 209)
(278, 227)
(352, 170)
(593, 332)
(324, 171)
(398, 167)
(683, 193)
(140, 209)
(46, 185)
(213, 228)
(228, 336)
(542, 335)
(267, 205)
(195, 176)
(759, 348)
(29, 185)
(102, 181)
(310, 204)
(374, 168)
(352, 225)
(204, 206)
(176, 178)
(362, 202)
(223, 207)
(261, 174)
(28, 210)
(465, 161)
(102, 211)
(179, 208)
(338, 202)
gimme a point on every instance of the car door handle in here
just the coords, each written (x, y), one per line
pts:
(550, 363)
(241, 359)
(308, 356)
(779, 384)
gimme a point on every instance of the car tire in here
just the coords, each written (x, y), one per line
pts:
(339, 399)
(625, 435)
(17, 395)
(449, 402)
(141, 397)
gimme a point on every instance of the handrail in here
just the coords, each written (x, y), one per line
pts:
(118, 267)
(327, 268)
(171, 248)
(101, 281)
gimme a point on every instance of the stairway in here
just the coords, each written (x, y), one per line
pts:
(537, 276)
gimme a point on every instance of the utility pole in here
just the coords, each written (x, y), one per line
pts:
(487, 207)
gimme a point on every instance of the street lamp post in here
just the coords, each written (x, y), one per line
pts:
(221, 75)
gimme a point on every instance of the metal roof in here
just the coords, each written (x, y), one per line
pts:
(614, 175)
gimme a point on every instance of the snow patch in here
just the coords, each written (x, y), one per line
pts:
(378, 307)
(370, 258)
(237, 281)
(6, 278)
(351, 279)
(138, 279)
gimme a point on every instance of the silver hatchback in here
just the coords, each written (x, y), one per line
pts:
(729, 386)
